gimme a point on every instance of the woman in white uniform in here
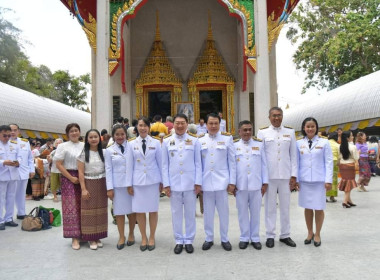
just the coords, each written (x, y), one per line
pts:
(145, 184)
(117, 174)
(315, 173)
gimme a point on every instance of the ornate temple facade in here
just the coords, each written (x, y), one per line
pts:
(163, 56)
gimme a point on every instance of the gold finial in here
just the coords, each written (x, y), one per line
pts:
(209, 34)
(158, 37)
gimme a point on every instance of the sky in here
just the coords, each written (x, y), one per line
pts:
(57, 40)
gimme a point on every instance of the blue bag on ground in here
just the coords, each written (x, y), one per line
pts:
(45, 217)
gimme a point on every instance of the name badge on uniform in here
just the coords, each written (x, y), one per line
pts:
(152, 148)
(204, 143)
(286, 135)
(302, 147)
(319, 147)
(221, 143)
(136, 148)
(115, 153)
(255, 148)
(138, 160)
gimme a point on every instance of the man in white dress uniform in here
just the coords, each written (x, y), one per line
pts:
(182, 180)
(223, 126)
(26, 169)
(251, 184)
(219, 176)
(9, 163)
(281, 153)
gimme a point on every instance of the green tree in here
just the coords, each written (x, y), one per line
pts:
(71, 90)
(339, 40)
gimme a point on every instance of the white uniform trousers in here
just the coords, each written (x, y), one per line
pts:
(7, 200)
(218, 199)
(248, 204)
(20, 196)
(282, 187)
(183, 204)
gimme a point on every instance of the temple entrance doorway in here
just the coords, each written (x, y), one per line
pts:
(159, 104)
(210, 101)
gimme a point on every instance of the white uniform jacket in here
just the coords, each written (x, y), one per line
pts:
(218, 162)
(116, 166)
(27, 160)
(146, 169)
(280, 150)
(181, 162)
(315, 163)
(251, 165)
(9, 151)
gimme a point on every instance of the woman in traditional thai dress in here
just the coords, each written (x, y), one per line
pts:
(94, 203)
(364, 168)
(66, 162)
(333, 140)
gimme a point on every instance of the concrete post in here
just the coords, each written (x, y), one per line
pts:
(261, 83)
(103, 104)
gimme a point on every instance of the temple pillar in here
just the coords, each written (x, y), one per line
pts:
(273, 76)
(262, 82)
(103, 104)
(93, 88)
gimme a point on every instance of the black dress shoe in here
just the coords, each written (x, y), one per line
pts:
(288, 241)
(143, 247)
(11, 224)
(151, 247)
(270, 242)
(256, 245)
(207, 245)
(227, 246)
(130, 243)
(189, 248)
(308, 241)
(178, 249)
(317, 243)
(243, 245)
(120, 246)
(2, 226)
(20, 217)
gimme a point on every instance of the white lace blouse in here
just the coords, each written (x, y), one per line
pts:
(68, 153)
(94, 169)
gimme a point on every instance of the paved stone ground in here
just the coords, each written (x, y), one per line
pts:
(350, 250)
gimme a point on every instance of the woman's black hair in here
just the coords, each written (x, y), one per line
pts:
(116, 127)
(87, 146)
(145, 120)
(373, 139)
(344, 150)
(304, 123)
(334, 136)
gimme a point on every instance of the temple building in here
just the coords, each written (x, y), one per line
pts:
(167, 56)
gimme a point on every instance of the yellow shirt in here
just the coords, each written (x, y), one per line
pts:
(160, 127)
(335, 149)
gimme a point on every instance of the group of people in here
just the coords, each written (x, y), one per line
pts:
(133, 172)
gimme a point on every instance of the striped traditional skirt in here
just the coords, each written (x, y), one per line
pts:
(94, 216)
(364, 171)
(71, 198)
(334, 189)
(38, 187)
(347, 172)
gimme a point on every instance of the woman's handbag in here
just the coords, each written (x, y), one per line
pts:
(32, 222)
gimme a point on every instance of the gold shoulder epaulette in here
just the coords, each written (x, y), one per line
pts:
(226, 133)
(256, 139)
(264, 127)
(110, 144)
(288, 127)
(157, 138)
(200, 136)
(23, 139)
(192, 134)
(237, 140)
(166, 136)
(299, 138)
(324, 137)
(13, 141)
(129, 140)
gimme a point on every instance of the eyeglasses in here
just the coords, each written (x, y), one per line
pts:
(6, 135)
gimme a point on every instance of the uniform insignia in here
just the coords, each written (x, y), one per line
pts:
(238, 159)
(138, 160)
(255, 148)
(136, 148)
(13, 141)
(129, 140)
(23, 139)
(264, 127)
(22, 145)
(319, 147)
(226, 133)
(221, 143)
(200, 136)
(302, 147)
(188, 142)
(192, 134)
(172, 142)
(286, 135)
(115, 153)
(152, 148)
(301, 152)
(288, 126)
(238, 149)
(237, 140)
(257, 139)
(166, 136)
(299, 137)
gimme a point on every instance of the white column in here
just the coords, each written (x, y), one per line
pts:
(103, 106)
(242, 101)
(261, 83)
(273, 76)
(93, 88)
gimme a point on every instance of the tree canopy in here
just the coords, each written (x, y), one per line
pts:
(17, 70)
(339, 40)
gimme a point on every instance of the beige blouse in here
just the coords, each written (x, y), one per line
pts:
(354, 155)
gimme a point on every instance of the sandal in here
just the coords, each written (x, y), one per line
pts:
(99, 243)
(93, 245)
(75, 245)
